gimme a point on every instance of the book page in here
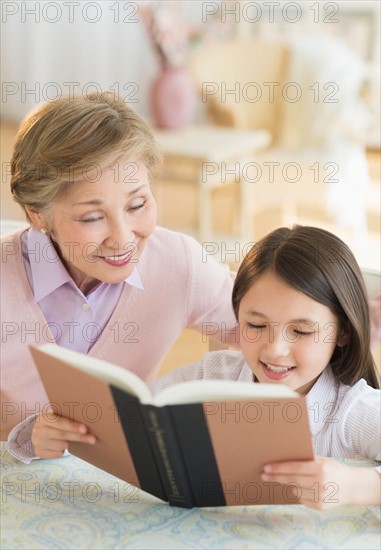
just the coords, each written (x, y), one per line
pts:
(108, 372)
(218, 390)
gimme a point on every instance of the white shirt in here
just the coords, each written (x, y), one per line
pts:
(345, 421)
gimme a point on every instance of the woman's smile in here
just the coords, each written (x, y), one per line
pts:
(118, 261)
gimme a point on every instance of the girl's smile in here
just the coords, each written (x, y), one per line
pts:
(276, 372)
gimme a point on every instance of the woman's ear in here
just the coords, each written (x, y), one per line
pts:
(37, 218)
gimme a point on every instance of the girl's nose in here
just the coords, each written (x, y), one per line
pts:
(277, 345)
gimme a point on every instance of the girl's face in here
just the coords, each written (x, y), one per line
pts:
(101, 227)
(286, 336)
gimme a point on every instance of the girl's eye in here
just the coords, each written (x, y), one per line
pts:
(302, 333)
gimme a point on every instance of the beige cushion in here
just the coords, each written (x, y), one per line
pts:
(243, 67)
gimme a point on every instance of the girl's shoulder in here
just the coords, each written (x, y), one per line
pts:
(215, 365)
(359, 388)
(360, 395)
(342, 397)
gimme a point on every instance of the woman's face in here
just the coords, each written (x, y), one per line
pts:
(286, 336)
(101, 227)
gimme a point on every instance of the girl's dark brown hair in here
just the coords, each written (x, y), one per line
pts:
(320, 265)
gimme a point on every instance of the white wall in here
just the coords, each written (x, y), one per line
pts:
(42, 51)
(46, 44)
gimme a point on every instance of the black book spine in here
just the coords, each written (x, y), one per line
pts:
(196, 444)
(130, 413)
(168, 455)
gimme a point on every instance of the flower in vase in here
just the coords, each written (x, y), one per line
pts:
(168, 31)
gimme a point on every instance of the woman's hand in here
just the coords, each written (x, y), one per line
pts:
(324, 483)
(52, 434)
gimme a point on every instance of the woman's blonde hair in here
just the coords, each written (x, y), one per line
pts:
(63, 142)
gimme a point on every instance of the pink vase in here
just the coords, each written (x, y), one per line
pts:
(173, 98)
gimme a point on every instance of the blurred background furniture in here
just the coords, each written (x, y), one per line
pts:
(52, 50)
(307, 93)
(205, 157)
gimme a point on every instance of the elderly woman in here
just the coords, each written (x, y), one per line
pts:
(93, 272)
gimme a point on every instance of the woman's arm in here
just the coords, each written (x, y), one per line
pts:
(52, 434)
(324, 483)
(45, 436)
(210, 310)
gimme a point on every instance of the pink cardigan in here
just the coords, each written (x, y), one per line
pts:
(180, 290)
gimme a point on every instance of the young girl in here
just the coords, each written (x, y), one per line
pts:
(303, 315)
(94, 273)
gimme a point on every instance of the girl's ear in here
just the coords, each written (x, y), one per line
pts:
(343, 337)
(37, 218)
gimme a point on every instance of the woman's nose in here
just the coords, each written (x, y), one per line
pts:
(120, 236)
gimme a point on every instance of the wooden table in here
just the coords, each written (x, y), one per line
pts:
(209, 156)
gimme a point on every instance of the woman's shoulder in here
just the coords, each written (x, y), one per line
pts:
(11, 248)
(164, 236)
(172, 247)
(12, 237)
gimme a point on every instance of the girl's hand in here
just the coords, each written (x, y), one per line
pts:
(52, 433)
(324, 483)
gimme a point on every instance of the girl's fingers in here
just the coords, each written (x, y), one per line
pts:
(301, 481)
(303, 467)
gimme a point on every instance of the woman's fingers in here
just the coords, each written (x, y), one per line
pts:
(52, 420)
(52, 434)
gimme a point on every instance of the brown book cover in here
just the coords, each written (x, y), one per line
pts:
(200, 443)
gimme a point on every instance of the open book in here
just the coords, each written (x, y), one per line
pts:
(201, 443)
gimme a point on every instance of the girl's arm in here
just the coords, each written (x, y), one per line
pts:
(324, 483)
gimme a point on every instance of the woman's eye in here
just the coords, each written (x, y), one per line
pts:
(137, 206)
(252, 325)
(87, 220)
